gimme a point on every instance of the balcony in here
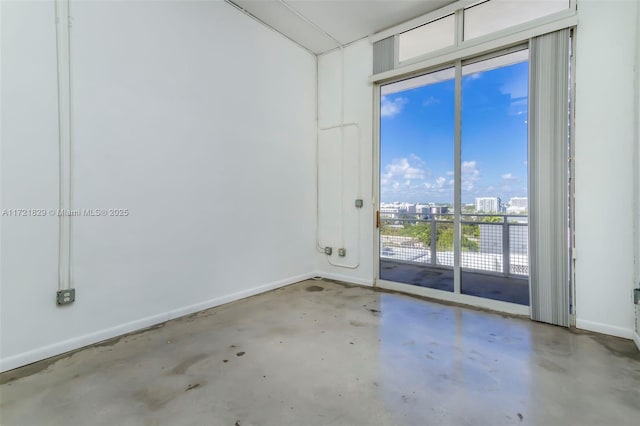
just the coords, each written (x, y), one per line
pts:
(494, 253)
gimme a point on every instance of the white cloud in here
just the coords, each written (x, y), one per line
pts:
(431, 100)
(470, 175)
(406, 169)
(509, 177)
(517, 87)
(416, 159)
(409, 179)
(391, 108)
(438, 184)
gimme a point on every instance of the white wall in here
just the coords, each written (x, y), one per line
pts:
(604, 165)
(198, 120)
(341, 223)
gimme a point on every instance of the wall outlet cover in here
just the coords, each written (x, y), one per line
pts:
(65, 297)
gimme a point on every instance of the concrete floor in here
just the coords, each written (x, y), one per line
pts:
(507, 289)
(322, 353)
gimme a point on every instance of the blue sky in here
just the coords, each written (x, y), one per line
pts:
(417, 134)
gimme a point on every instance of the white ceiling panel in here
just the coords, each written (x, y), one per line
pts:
(346, 20)
(282, 19)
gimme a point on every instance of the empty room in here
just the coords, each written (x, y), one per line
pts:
(320, 212)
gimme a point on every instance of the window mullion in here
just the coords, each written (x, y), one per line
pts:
(457, 201)
(459, 27)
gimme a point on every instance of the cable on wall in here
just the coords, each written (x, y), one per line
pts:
(63, 54)
(319, 247)
(341, 126)
(359, 143)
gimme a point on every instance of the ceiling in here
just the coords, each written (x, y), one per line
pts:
(308, 22)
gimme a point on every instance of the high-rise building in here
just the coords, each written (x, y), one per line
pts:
(488, 204)
(518, 205)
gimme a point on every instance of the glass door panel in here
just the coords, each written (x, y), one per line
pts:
(494, 208)
(417, 180)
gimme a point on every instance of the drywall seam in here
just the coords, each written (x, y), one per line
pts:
(58, 348)
(625, 333)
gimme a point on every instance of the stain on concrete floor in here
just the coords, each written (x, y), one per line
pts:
(314, 288)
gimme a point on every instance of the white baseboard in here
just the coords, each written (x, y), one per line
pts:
(636, 339)
(344, 278)
(58, 348)
(613, 330)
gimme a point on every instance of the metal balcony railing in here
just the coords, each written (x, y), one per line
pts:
(484, 237)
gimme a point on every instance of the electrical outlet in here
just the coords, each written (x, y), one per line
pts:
(359, 203)
(65, 297)
(328, 251)
(342, 252)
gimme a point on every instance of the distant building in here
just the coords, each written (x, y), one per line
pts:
(439, 209)
(407, 208)
(423, 211)
(396, 210)
(399, 210)
(427, 211)
(388, 212)
(518, 205)
(488, 204)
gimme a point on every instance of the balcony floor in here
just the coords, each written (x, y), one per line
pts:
(514, 290)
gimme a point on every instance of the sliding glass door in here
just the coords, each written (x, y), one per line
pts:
(494, 199)
(417, 129)
(453, 179)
